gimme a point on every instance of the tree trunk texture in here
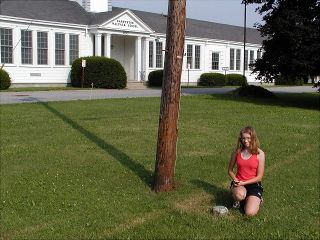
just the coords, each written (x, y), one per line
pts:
(170, 97)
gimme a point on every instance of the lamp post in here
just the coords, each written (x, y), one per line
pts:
(244, 39)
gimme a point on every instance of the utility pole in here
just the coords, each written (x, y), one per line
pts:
(170, 98)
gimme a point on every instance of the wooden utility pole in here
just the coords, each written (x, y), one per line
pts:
(170, 98)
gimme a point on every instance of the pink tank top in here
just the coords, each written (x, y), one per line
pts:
(247, 169)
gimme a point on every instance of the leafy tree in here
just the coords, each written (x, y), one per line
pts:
(291, 45)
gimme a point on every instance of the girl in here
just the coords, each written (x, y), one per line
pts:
(246, 183)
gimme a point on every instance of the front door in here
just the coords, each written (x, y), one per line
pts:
(123, 50)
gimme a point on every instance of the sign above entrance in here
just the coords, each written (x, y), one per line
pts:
(124, 23)
(127, 22)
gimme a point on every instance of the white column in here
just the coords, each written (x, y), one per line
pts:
(51, 48)
(98, 44)
(34, 48)
(144, 59)
(107, 45)
(16, 53)
(138, 59)
(67, 47)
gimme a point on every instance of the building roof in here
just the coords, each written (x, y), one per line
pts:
(66, 11)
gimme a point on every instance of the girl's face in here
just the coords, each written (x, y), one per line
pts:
(246, 139)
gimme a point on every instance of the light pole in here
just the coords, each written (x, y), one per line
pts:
(244, 39)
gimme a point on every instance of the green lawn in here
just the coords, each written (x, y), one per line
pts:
(83, 169)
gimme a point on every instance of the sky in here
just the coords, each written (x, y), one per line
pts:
(220, 11)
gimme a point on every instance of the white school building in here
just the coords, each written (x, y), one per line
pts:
(39, 39)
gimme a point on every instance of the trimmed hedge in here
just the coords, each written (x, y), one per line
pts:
(253, 91)
(212, 79)
(281, 80)
(101, 71)
(234, 79)
(5, 81)
(155, 78)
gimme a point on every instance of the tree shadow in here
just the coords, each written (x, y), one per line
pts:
(221, 196)
(121, 157)
(297, 100)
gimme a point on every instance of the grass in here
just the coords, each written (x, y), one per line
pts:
(83, 169)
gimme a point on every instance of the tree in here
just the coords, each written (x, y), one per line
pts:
(291, 45)
(170, 97)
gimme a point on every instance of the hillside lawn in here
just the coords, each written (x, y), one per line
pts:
(83, 169)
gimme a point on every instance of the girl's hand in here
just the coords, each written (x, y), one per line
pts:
(239, 183)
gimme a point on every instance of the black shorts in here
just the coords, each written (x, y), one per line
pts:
(253, 189)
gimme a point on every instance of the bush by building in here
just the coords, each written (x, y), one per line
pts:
(234, 79)
(5, 80)
(282, 80)
(101, 71)
(212, 79)
(155, 78)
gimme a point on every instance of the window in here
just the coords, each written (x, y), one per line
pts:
(6, 47)
(259, 54)
(238, 59)
(159, 55)
(60, 48)
(26, 47)
(42, 48)
(251, 59)
(151, 54)
(197, 57)
(215, 61)
(73, 48)
(189, 56)
(231, 58)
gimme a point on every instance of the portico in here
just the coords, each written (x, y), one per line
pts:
(123, 38)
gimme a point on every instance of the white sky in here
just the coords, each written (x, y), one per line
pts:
(220, 11)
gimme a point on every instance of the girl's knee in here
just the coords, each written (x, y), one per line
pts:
(250, 212)
(239, 194)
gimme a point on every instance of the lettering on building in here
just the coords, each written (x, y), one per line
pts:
(124, 23)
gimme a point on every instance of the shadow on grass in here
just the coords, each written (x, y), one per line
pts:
(221, 196)
(298, 100)
(124, 159)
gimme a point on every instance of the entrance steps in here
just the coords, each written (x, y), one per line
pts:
(136, 85)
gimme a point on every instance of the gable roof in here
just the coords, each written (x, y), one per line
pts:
(56, 11)
(66, 11)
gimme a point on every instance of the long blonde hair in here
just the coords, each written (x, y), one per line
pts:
(254, 144)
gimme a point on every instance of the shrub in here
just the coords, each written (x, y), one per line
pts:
(101, 71)
(289, 81)
(212, 79)
(155, 78)
(253, 91)
(234, 79)
(5, 81)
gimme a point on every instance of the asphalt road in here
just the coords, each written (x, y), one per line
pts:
(69, 95)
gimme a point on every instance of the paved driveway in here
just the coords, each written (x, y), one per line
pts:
(68, 95)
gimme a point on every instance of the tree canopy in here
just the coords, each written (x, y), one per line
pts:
(291, 45)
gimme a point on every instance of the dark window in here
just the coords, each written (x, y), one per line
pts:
(26, 47)
(73, 48)
(215, 61)
(159, 55)
(42, 48)
(60, 49)
(231, 58)
(150, 54)
(197, 57)
(6, 45)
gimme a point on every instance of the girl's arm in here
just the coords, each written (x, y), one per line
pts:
(232, 162)
(260, 171)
